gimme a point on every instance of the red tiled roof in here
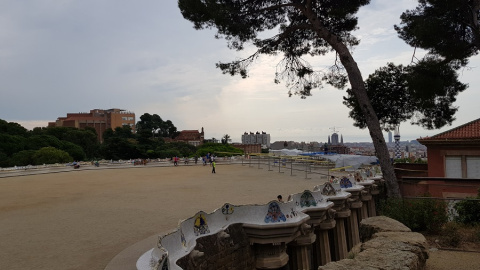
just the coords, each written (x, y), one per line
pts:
(470, 130)
(189, 135)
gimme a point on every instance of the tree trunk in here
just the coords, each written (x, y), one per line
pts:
(381, 149)
(358, 89)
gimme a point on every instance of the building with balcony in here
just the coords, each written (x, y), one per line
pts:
(256, 138)
(98, 119)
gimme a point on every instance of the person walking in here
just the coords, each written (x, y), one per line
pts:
(213, 166)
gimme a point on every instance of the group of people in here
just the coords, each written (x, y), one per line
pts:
(210, 158)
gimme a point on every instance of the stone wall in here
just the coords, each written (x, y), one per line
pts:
(386, 244)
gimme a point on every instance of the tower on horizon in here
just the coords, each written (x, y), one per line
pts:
(397, 142)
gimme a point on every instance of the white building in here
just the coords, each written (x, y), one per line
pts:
(256, 138)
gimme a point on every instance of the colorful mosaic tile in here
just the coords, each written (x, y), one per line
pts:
(227, 209)
(307, 200)
(345, 182)
(293, 213)
(200, 226)
(274, 213)
(328, 190)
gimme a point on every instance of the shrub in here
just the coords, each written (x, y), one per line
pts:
(468, 211)
(22, 158)
(451, 235)
(51, 155)
(423, 214)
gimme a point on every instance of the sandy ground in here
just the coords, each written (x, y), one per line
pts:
(82, 219)
(448, 260)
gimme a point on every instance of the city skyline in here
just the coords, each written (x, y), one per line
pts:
(144, 57)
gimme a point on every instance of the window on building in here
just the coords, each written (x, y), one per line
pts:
(453, 167)
(130, 118)
(124, 118)
(473, 167)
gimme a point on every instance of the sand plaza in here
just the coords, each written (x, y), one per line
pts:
(83, 219)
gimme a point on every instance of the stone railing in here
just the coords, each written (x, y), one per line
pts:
(311, 229)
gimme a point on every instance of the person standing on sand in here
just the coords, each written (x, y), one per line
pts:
(213, 166)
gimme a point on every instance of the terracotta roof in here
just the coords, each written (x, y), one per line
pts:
(470, 130)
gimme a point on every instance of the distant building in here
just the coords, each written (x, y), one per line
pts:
(98, 119)
(335, 139)
(249, 148)
(192, 137)
(336, 146)
(256, 138)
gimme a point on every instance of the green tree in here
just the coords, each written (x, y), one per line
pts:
(85, 138)
(36, 142)
(226, 139)
(153, 125)
(423, 93)
(51, 155)
(10, 144)
(74, 150)
(12, 128)
(119, 148)
(311, 28)
(446, 28)
(22, 158)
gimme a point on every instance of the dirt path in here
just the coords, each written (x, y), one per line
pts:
(448, 260)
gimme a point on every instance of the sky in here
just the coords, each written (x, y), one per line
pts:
(69, 56)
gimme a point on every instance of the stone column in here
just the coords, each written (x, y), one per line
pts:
(353, 235)
(322, 254)
(375, 191)
(270, 256)
(365, 197)
(301, 258)
(339, 234)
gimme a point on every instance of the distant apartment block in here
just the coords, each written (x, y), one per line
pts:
(256, 138)
(98, 119)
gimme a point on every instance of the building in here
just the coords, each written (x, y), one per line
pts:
(335, 145)
(98, 119)
(256, 138)
(248, 148)
(454, 153)
(192, 137)
(335, 138)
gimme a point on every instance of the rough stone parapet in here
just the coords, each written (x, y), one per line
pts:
(387, 245)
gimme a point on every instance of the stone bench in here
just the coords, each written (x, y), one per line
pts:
(270, 224)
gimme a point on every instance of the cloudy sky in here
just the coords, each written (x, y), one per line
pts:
(60, 56)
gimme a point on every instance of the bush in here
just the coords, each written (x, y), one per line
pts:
(51, 155)
(451, 235)
(22, 158)
(424, 214)
(469, 210)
